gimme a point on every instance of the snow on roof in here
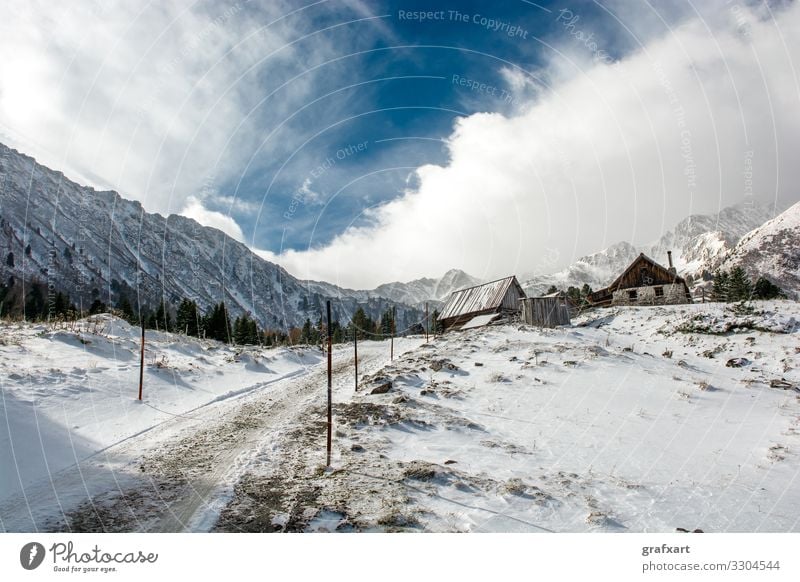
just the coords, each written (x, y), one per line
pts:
(480, 320)
(478, 298)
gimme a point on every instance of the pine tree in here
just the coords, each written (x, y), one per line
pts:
(34, 303)
(362, 324)
(10, 259)
(187, 318)
(161, 319)
(305, 334)
(245, 331)
(739, 286)
(97, 306)
(719, 289)
(552, 289)
(766, 289)
(386, 323)
(218, 324)
(253, 334)
(337, 336)
(124, 307)
(61, 304)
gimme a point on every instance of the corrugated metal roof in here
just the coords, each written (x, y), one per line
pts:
(478, 298)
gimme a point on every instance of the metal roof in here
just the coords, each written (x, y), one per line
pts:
(478, 298)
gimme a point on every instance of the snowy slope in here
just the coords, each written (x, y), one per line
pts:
(772, 250)
(70, 394)
(635, 419)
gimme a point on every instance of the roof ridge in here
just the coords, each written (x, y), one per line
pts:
(487, 283)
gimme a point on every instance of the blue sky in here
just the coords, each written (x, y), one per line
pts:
(358, 142)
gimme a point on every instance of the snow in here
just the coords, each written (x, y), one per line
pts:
(68, 395)
(633, 419)
(480, 321)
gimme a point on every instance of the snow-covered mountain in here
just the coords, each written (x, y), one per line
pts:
(416, 293)
(771, 250)
(97, 245)
(419, 291)
(698, 243)
(595, 270)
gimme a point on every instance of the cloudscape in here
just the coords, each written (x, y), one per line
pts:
(412, 138)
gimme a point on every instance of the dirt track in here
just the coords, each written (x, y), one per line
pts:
(183, 484)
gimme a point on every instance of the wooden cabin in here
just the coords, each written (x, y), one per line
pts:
(644, 282)
(547, 311)
(481, 301)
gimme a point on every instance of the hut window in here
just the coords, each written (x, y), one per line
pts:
(632, 294)
(659, 291)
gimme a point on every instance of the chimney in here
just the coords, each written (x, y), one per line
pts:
(672, 269)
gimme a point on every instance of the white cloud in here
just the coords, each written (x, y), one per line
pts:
(144, 98)
(194, 209)
(611, 152)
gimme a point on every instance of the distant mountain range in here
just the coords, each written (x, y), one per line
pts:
(700, 244)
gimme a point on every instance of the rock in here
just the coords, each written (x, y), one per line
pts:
(382, 388)
(781, 384)
(478, 364)
(438, 365)
(420, 471)
(737, 363)
(450, 462)
(357, 448)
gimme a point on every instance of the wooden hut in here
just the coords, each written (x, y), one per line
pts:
(494, 298)
(644, 282)
(546, 311)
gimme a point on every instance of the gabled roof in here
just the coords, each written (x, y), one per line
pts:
(479, 298)
(636, 261)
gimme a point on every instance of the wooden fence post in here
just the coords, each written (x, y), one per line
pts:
(391, 346)
(427, 322)
(141, 364)
(330, 386)
(355, 352)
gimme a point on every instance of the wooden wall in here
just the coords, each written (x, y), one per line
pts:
(545, 311)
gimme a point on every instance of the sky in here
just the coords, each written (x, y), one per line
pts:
(362, 142)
